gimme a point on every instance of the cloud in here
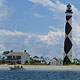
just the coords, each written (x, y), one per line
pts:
(50, 44)
(5, 36)
(3, 9)
(76, 13)
(2, 47)
(58, 10)
(54, 29)
(52, 38)
(35, 44)
(45, 45)
(38, 15)
(9, 33)
(48, 3)
(43, 2)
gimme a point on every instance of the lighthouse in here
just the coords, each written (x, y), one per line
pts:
(68, 45)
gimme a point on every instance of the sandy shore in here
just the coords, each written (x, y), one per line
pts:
(44, 67)
(53, 68)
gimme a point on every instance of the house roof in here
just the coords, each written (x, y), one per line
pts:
(17, 53)
(56, 59)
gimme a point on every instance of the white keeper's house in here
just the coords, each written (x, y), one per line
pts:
(17, 57)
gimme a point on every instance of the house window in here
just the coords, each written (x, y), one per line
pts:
(13, 57)
(18, 62)
(13, 62)
(8, 61)
(18, 57)
(9, 57)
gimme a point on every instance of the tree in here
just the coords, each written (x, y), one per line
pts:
(42, 57)
(5, 53)
(3, 60)
(35, 57)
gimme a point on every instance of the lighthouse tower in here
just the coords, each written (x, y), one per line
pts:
(68, 45)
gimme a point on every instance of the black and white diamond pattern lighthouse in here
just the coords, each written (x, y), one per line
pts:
(68, 46)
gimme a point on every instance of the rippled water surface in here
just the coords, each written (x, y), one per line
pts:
(39, 75)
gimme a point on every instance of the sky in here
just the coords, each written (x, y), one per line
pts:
(38, 26)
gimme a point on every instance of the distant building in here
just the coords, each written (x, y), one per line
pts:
(56, 61)
(17, 57)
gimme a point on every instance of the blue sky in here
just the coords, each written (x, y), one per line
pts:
(38, 26)
(32, 17)
(26, 16)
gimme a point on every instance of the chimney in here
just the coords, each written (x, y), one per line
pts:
(11, 51)
(25, 51)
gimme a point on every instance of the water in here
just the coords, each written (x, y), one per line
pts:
(39, 75)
